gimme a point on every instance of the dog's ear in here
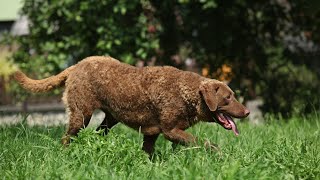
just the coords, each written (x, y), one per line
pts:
(209, 93)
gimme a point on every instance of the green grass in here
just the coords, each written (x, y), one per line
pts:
(276, 150)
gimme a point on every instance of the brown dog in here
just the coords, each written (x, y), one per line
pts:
(153, 100)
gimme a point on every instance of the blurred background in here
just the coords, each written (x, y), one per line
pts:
(267, 50)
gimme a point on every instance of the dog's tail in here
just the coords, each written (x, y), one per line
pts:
(42, 85)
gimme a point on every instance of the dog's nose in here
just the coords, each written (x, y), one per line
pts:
(246, 112)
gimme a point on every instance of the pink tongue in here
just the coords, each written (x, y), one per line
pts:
(233, 125)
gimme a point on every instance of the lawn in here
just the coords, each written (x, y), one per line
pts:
(276, 150)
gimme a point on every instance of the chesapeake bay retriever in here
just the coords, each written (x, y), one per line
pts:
(152, 100)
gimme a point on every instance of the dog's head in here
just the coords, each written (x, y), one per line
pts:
(222, 104)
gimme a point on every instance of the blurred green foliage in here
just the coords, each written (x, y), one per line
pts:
(249, 36)
(6, 65)
(64, 32)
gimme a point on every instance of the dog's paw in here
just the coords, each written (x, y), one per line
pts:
(65, 141)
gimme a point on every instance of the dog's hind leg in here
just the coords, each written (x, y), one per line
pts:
(107, 123)
(148, 143)
(77, 120)
(80, 109)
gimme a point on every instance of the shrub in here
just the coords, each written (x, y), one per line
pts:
(247, 36)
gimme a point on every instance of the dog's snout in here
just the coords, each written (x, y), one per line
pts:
(246, 112)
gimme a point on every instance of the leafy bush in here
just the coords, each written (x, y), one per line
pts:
(286, 87)
(7, 68)
(238, 33)
(64, 32)
(6, 65)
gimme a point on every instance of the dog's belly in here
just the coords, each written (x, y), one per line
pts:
(137, 118)
(143, 120)
(142, 117)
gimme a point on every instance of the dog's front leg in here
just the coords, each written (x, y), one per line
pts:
(179, 136)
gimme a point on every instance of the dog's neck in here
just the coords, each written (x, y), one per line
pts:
(203, 112)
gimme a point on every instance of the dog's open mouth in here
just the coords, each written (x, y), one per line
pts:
(226, 121)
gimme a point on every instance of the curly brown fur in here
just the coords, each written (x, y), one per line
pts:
(153, 100)
(42, 85)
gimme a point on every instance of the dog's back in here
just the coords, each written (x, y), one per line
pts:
(136, 96)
